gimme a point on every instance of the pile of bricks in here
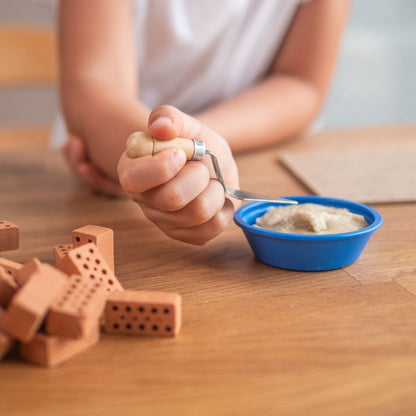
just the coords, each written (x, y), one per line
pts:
(56, 312)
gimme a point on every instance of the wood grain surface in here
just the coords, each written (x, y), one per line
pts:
(255, 340)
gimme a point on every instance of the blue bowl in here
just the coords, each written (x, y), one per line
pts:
(307, 252)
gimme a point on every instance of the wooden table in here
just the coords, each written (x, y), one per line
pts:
(256, 340)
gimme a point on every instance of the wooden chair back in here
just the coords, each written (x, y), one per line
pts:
(27, 58)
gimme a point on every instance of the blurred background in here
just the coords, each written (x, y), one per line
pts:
(373, 84)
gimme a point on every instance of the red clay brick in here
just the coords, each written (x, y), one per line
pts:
(50, 350)
(11, 267)
(6, 342)
(102, 237)
(9, 236)
(88, 262)
(60, 251)
(23, 274)
(29, 306)
(77, 309)
(143, 312)
(8, 287)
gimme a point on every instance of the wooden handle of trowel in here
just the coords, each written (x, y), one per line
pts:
(142, 144)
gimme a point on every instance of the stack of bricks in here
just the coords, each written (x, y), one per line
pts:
(56, 312)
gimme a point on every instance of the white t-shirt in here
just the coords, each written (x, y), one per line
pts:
(194, 53)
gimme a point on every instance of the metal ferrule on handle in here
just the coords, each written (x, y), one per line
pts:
(199, 150)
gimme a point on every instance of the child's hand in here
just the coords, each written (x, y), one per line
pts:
(182, 198)
(76, 154)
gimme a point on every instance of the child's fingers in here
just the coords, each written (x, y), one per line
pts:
(99, 183)
(199, 211)
(203, 233)
(167, 122)
(77, 157)
(185, 186)
(140, 175)
(75, 151)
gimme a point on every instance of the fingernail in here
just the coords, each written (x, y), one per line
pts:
(161, 121)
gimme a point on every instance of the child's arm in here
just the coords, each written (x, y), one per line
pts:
(99, 97)
(286, 101)
(99, 79)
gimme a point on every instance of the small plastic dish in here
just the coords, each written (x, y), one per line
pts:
(307, 252)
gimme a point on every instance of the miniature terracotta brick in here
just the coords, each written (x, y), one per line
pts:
(143, 312)
(6, 342)
(11, 267)
(60, 251)
(9, 236)
(88, 262)
(102, 237)
(77, 309)
(8, 287)
(29, 306)
(50, 350)
(24, 273)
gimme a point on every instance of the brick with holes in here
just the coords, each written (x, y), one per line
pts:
(11, 267)
(50, 350)
(9, 236)
(24, 273)
(60, 251)
(8, 287)
(143, 312)
(102, 237)
(77, 309)
(29, 305)
(88, 262)
(6, 341)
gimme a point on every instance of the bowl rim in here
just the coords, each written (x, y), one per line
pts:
(328, 201)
